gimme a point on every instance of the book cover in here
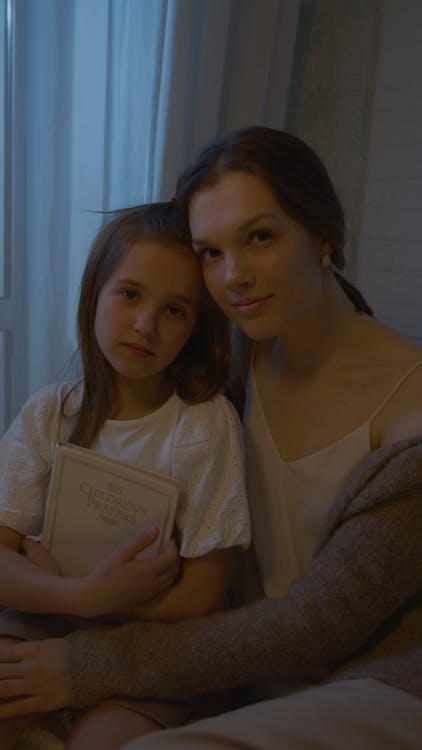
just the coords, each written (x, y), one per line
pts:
(95, 503)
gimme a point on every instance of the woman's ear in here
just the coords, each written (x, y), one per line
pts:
(325, 254)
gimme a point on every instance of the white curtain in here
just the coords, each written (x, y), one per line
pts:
(117, 96)
(92, 81)
(106, 102)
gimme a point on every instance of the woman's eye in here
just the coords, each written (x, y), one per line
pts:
(261, 236)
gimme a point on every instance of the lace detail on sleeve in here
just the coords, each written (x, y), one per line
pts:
(213, 510)
(26, 453)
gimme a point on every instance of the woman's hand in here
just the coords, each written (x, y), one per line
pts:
(121, 582)
(32, 677)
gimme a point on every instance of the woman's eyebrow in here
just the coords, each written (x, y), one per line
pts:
(254, 219)
(244, 225)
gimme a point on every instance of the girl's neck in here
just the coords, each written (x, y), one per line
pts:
(138, 398)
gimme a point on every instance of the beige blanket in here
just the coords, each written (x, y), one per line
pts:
(50, 734)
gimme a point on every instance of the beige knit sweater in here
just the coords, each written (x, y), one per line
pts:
(355, 613)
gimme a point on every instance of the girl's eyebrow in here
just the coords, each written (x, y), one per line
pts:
(127, 280)
(182, 299)
(177, 297)
(241, 228)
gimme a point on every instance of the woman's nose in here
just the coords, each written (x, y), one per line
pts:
(238, 272)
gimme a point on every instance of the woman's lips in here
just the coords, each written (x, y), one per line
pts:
(249, 306)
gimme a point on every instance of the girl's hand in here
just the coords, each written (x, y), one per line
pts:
(120, 582)
(39, 555)
(32, 677)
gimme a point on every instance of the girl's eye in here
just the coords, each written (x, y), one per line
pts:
(176, 311)
(208, 253)
(129, 294)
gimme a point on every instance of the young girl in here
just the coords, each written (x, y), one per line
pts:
(333, 423)
(155, 358)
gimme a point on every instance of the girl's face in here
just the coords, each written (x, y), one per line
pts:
(262, 267)
(147, 309)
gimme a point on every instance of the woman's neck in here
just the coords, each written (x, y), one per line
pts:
(320, 337)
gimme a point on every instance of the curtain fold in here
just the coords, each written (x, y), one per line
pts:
(91, 86)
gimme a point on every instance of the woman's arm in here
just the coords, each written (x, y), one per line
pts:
(367, 572)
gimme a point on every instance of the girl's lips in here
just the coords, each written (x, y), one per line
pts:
(139, 350)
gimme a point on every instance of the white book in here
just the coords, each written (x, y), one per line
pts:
(95, 503)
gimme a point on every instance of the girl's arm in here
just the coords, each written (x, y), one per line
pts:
(200, 590)
(117, 582)
(25, 586)
(40, 665)
(213, 514)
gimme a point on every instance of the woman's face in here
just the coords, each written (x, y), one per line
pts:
(262, 268)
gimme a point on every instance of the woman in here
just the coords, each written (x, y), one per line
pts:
(332, 418)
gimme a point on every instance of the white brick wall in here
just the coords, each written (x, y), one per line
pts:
(389, 268)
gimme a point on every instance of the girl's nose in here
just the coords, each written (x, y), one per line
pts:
(146, 323)
(238, 272)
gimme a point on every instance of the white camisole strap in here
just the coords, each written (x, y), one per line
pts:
(394, 390)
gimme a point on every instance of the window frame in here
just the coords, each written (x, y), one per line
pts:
(13, 308)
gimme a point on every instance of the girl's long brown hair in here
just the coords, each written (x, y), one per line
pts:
(201, 369)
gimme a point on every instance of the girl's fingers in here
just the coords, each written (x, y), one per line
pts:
(10, 688)
(129, 550)
(171, 548)
(39, 555)
(8, 672)
(18, 707)
(10, 650)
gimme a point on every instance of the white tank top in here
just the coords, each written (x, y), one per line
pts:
(290, 499)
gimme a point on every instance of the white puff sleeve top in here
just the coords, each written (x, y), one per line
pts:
(200, 445)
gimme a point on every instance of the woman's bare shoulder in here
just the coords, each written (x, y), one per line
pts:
(401, 417)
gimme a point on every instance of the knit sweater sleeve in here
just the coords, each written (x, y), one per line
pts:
(369, 570)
